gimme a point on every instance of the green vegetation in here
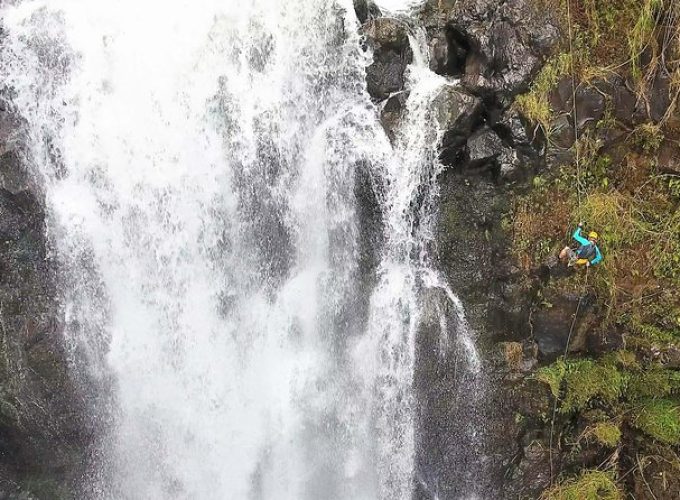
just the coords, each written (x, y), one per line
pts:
(628, 400)
(591, 485)
(535, 105)
(619, 191)
(606, 433)
(660, 419)
(585, 380)
(652, 383)
(553, 375)
(579, 381)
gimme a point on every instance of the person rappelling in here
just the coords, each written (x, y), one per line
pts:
(586, 254)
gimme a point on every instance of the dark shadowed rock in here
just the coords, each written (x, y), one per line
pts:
(391, 113)
(562, 135)
(552, 325)
(590, 106)
(513, 129)
(388, 38)
(627, 106)
(449, 50)
(659, 97)
(484, 146)
(457, 113)
(365, 10)
(669, 157)
(590, 102)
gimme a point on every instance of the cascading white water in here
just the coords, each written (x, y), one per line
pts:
(198, 160)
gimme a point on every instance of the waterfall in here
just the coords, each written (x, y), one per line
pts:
(200, 162)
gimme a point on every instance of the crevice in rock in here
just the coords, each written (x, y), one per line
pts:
(458, 48)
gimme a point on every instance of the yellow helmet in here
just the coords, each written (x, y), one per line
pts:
(592, 235)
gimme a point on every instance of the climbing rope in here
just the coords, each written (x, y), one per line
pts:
(564, 358)
(573, 105)
(579, 189)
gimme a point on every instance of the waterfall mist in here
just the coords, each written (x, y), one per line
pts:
(200, 163)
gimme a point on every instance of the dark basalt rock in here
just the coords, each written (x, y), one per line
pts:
(388, 38)
(43, 428)
(457, 113)
(513, 129)
(365, 10)
(391, 112)
(590, 102)
(552, 325)
(484, 146)
(497, 47)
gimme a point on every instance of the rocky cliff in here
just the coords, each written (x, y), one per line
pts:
(562, 112)
(43, 428)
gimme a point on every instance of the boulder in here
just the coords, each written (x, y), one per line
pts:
(590, 106)
(563, 135)
(552, 325)
(513, 129)
(456, 113)
(388, 38)
(659, 96)
(628, 108)
(484, 146)
(590, 102)
(391, 113)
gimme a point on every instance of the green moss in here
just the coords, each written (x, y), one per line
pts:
(607, 433)
(666, 251)
(660, 419)
(583, 380)
(653, 383)
(590, 485)
(552, 376)
(535, 104)
(586, 379)
(623, 359)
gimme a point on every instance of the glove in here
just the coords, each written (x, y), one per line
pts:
(580, 224)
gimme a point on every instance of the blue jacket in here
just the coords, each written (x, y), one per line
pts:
(584, 243)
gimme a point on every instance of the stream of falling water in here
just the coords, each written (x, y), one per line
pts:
(198, 160)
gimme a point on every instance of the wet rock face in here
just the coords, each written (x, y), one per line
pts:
(43, 432)
(388, 38)
(365, 10)
(495, 47)
(390, 114)
(554, 325)
(457, 113)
